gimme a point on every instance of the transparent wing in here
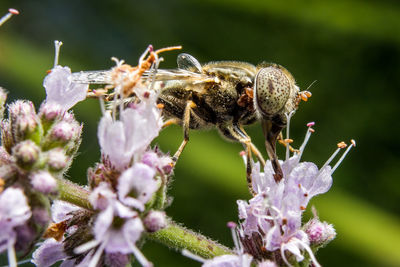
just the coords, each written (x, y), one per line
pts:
(188, 62)
(104, 77)
(92, 77)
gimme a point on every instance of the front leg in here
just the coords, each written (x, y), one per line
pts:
(237, 133)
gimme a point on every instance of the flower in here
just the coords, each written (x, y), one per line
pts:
(121, 139)
(137, 185)
(48, 253)
(319, 233)
(116, 229)
(271, 220)
(61, 90)
(43, 182)
(14, 212)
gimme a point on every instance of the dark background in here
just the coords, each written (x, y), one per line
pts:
(352, 49)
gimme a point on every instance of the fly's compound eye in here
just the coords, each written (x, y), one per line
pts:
(272, 89)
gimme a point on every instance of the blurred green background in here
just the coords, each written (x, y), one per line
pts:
(352, 49)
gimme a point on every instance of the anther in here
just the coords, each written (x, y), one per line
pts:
(311, 124)
(231, 225)
(10, 13)
(13, 11)
(341, 145)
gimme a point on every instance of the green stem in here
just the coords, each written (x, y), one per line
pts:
(173, 236)
(179, 237)
(73, 193)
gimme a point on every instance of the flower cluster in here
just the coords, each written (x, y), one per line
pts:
(106, 222)
(37, 148)
(126, 188)
(271, 226)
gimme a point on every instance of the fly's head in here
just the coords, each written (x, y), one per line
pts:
(276, 93)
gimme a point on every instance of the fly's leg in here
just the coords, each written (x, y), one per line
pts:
(253, 148)
(235, 132)
(185, 124)
(171, 122)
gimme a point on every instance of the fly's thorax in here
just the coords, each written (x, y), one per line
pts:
(275, 92)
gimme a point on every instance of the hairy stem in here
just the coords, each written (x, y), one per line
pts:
(73, 193)
(173, 236)
(179, 237)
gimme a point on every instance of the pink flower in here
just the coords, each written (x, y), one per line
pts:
(61, 90)
(14, 212)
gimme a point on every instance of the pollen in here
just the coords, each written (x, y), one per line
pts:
(160, 105)
(341, 145)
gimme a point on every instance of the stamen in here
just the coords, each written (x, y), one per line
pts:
(154, 72)
(192, 256)
(86, 246)
(148, 49)
(340, 146)
(235, 238)
(12, 258)
(96, 257)
(102, 106)
(308, 134)
(353, 144)
(10, 13)
(284, 256)
(117, 61)
(138, 254)
(57, 45)
(308, 249)
(288, 117)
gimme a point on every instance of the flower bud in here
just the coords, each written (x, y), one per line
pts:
(319, 233)
(43, 182)
(24, 121)
(26, 153)
(155, 220)
(63, 134)
(57, 160)
(50, 112)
